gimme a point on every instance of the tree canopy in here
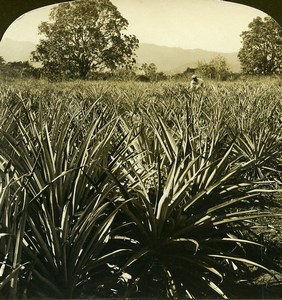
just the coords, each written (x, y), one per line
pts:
(84, 36)
(2, 60)
(261, 52)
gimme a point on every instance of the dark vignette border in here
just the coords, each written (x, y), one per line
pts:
(12, 9)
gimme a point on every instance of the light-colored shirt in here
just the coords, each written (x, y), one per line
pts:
(196, 83)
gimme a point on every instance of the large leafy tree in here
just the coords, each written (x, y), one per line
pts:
(84, 36)
(261, 52)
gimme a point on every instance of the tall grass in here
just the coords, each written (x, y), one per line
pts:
(134, 190)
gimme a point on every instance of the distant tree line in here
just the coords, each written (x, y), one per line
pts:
(216, 69)
(17, 69)
(147, 72)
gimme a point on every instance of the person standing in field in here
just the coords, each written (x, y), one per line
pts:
(196, 83)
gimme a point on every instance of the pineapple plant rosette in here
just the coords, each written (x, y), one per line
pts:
(189, 211)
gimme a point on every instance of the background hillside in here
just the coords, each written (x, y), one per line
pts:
(167, 59)
(12, 50)
(176, 60)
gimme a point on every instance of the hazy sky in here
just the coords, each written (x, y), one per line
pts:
(189, 24)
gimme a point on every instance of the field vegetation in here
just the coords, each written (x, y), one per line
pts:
(134, 189)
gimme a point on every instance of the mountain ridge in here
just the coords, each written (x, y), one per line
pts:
(176, 60)
(169, 60)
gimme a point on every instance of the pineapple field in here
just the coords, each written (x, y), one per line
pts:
(140, 190)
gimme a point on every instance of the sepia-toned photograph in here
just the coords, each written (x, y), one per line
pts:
(141, 151)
